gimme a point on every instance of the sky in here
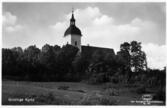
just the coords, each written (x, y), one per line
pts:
(102, 25)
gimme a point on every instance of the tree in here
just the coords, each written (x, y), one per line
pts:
(102, 67)
(32, 54)
(31, 62)
(124, 54)
(18, 50)
(8, 62)
(80, 65)
(49, 62)
(131, 59)
(65, 59)
(47, 56)
(20, 65)
(134, 58)
(138, 57)
(124, 58)
(12, 63)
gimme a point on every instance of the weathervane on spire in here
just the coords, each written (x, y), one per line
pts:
(72, 21)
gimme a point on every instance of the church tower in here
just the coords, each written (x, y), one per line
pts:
(73, 34)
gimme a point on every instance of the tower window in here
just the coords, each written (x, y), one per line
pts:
(75, 43)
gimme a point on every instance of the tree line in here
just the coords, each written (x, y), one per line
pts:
(55, 63)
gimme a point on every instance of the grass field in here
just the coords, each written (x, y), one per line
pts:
(67, 93)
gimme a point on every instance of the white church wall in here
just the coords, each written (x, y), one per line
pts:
(72, 39)
(76, 41)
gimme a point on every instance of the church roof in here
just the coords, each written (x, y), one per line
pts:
(92, 49)
(88, 51)
(72, 29)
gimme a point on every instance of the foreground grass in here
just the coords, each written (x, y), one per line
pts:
(66, 93)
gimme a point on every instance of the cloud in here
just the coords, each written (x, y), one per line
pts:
(13, 28)
(102, 30)
(156, 55)
(10, 22)
(9, 19)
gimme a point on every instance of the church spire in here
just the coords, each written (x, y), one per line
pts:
(72, 21)
(72, 29)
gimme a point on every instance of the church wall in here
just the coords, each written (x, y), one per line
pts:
(76, 41)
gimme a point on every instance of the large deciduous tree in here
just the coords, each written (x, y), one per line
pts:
(138, 57)
(133, 57)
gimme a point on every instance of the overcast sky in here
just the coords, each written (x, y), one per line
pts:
(102, 25)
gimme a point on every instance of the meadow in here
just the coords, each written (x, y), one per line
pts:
(69, 93)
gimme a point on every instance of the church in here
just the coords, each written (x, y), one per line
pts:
(73, 37)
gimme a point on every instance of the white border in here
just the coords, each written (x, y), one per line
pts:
(83, 0)
(63, 106)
